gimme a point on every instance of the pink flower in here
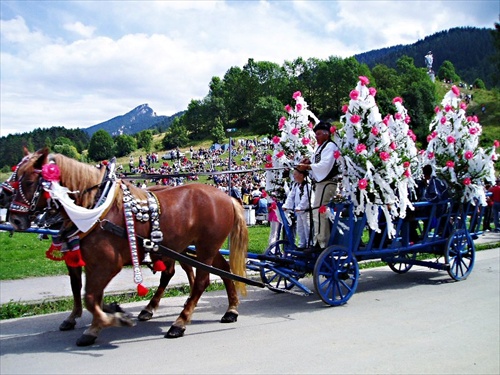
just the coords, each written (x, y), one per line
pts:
(282, 121)
(310, 125)
(296, 94)
(336, 154)
(496, 143)
(295, 131)
(362, 184)
(463, 106)
(436, 109)
(397, 116)
(305, 141)
(333, 129)
(374, 130)
(455, 90)
(448, 108)
(407, 119)
(288, 108)
(430, 155)
(393, 146)
(469, 118)
(443, 120)
(434, 134)
(475, 119)
(372, 91)
(450, 139)
(397, 99)
(406, 164)
(269, 165)
(280, 154)
(51, 172)
(364, 81)
(412, 135)
(473, 131)
(467, 181)
(276, 139)
(345, 108)
(386, 119)
(354, 94)
(360, 148)
(384, 156)
(450, 164)
(355, 119)
(407, 173)
(468, 155)
(429, 138)
(298, 107)
(269, 157)
(322, 209)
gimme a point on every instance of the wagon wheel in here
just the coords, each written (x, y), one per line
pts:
(402, 267)
(336, 275)
(460, 253)
(278, 283)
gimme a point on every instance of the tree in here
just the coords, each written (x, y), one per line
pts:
(217, 131)
(145, 140)
(478, 83)
(101, 146)
(265, 116)
(447, 72)
(67, 150)
(175, 136)
(125, 144)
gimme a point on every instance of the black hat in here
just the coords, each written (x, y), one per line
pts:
(322, 126)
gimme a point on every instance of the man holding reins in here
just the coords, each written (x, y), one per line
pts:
(323, 171)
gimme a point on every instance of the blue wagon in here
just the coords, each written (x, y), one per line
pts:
(445, 233)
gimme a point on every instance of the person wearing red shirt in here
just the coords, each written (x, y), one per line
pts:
(495, 197)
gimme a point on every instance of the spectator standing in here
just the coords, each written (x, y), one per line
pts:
(274, 222)
(495, 209)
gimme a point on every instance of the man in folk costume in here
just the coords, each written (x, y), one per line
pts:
(324, 172)
(299, 199)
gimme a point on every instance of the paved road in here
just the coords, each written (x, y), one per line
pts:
(417, 323)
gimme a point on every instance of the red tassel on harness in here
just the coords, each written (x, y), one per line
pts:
(142, 290)
(74, 258)
(159, 266)
(54, 252)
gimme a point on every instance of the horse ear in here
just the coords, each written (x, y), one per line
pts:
(25, 151)
(41, 156)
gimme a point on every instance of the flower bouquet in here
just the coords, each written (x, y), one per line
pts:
(295, 141)
(454, 153)
(375, 174)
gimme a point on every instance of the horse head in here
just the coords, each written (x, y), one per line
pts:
(27, 199)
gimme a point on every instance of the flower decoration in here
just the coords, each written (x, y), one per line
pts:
(373, 175)
(454, 153)
(295, 142)
(51, 172)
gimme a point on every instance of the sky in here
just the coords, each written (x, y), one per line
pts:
(79, 63)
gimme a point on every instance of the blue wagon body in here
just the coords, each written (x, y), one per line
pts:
(446, 231)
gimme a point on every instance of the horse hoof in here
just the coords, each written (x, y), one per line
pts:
(67, 325)
(86, 340)
(113, 308)
(145, 315)
(175, 332)
(124, 320)
(229, 317)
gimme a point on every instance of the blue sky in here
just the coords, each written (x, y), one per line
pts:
(78, 63)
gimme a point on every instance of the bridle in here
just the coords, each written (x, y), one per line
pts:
(25, 206)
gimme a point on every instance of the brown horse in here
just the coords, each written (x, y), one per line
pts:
(75, 274)
(194, 214)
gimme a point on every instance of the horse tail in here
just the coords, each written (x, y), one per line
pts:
(238, 245)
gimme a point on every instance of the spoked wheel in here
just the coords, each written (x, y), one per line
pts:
(336, 275)
(402, 267)
(278, 282)
(460, 254)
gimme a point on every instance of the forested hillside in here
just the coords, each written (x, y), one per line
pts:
(469, 49)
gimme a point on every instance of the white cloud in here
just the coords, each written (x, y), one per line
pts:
(80, 29)
(80, 63)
